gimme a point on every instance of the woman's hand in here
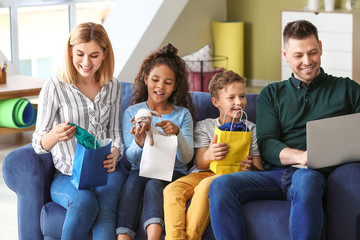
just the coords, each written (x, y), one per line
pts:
(139, 134)
(110, 162)
(168, 127)
(64, 131)
(60, 133)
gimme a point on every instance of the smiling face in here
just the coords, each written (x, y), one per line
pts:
(160, 84)
(232, 94)
(87, 58)
(304, 57)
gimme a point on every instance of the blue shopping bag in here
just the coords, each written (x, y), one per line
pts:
(88, 170)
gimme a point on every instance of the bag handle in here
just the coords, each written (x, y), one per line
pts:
(242, 113)
(101, 131)
(97, 124)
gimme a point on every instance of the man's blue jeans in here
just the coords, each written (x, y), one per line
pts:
(90, 208)
(137, 191)
(303, 187)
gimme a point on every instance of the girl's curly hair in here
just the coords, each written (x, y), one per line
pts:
(166, 55)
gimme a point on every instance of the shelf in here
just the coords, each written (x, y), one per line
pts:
(4, 131)
(18, 86)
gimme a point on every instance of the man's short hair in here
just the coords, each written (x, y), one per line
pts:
(222, 79)
(299, 29)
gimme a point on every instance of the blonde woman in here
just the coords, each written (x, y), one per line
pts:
(84, 93)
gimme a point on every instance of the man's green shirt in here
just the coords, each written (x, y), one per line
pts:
(285, 107)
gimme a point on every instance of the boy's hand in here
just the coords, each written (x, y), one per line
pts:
(217, 151)
(247, 164)
(168, 127)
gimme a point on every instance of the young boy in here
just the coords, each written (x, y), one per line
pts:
(226, 89)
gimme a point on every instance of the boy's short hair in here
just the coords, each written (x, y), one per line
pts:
(222, 79)
(299, 29)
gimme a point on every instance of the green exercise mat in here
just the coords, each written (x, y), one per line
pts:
(85, 138)
(17, 113)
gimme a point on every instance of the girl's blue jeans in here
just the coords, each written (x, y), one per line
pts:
(88, 209)
(303, 187)
(141, 193)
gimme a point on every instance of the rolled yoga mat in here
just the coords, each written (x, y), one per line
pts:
(228, 40)
(17, 113)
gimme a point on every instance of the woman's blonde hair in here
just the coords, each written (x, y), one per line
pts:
(83, 33)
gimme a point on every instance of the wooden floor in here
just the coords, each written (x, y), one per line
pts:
(8, 209)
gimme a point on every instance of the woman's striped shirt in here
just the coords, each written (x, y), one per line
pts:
(60, 102)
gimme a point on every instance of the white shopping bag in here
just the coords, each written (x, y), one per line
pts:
(158, 161)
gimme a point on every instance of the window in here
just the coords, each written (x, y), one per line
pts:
(5, 39)
(42, 35)
(41, 28)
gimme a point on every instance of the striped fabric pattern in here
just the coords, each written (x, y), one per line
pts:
(60, 102)
(204, 133)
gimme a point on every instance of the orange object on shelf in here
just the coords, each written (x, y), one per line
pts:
(2, 77)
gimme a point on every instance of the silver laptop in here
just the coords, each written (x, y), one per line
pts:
(333, 141)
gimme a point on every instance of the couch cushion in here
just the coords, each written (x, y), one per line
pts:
(203, 106)
(52, 220)
(126, 94)
(269, 219)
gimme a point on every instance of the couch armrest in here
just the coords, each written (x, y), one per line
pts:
(343, 202)
(29, 175)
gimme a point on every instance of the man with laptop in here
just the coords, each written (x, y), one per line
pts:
(284, 108)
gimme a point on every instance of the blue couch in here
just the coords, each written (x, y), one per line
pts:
(29, 175)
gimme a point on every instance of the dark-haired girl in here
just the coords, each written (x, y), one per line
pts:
(162, 86)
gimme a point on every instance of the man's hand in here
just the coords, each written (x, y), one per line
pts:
(290, 156)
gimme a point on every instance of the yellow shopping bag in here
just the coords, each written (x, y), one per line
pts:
(239, 143)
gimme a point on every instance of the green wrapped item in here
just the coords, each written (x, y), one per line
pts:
(85, 138)
(17, 113)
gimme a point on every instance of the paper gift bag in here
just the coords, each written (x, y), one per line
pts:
(158, 161)
(239, 143)
(88, 170)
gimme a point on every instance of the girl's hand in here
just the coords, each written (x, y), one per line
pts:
(168, 127)
(64, 132)
(247, 164)
(110, 162)
(139, 134)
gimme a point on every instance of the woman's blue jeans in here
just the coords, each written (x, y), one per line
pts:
(141, 192)
(303, 187)
(88, 209)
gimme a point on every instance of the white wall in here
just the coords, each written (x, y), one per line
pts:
(138, 27)
(192, 30)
